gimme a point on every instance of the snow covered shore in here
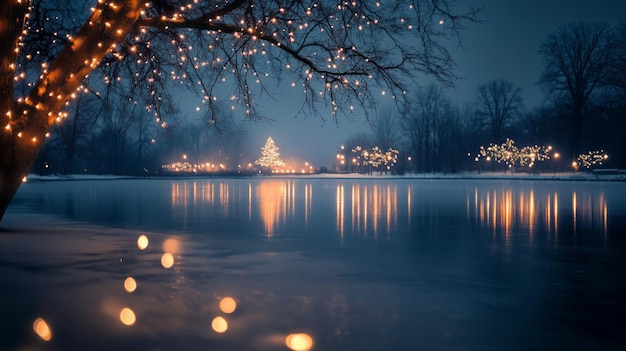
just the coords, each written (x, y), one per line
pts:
(565, 176)
(581, 176)
(35, 177)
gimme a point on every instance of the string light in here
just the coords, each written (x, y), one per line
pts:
(591, 158)
(510, 155)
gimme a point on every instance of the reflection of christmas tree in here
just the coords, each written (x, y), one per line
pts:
(270, 157)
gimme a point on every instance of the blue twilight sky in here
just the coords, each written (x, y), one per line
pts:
(504, 46)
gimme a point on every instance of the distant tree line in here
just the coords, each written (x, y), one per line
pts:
(584, 81)
(100, 137)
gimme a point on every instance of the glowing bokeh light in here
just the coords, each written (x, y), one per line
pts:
(127, 316)
(130, 285)
(228, 305)
(219, 324)
(171, 245)
(42, 329)
(167, 260)
(299, 341)
(142, 242)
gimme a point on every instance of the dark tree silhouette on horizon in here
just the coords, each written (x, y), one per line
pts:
(429, 129)
(498, 102)
(577, 63)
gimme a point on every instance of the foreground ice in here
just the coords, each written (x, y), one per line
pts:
(478, 266)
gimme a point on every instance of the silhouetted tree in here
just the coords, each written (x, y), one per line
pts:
(338, 53)
(428, 127)
(144, 132)
(617, 115)
(543, 125)
(66, 148)
(576, 62)
(386, 128)
(617, 77)
(498, 102)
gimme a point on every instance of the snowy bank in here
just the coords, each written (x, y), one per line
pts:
(35, 177)
(565, 176)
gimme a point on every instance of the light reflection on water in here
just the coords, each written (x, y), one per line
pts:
(323, 264)
(275, 202)
(272, 200)
(367, 207)
(501, 210)
(371, 208)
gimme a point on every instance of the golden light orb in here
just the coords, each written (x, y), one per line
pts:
(130, 285)
(167, 260)
(142, 242)
(219, 324)
(299, 342)
(127, 316)
(228, 305)
(42, 329)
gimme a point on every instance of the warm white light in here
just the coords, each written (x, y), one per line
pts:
(130, 285)
(142, 242)
(228, 305)
(219, 324)
(167, 260)
(299, 342)
(127, 316)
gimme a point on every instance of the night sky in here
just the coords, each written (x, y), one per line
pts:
(504, 46)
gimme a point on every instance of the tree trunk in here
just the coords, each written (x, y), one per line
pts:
(13, 165)
(16, 159)
(10, 183)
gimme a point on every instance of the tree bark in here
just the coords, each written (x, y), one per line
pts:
(12, 17)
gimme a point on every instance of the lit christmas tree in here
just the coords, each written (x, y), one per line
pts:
(270, 157)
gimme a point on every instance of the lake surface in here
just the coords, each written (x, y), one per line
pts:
(352, 264)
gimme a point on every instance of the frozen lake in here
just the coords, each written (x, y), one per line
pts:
(355, 264)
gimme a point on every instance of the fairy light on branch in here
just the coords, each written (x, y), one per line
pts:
(511, 155)
(591, 158)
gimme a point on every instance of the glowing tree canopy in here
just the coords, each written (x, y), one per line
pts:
(270, 157)
(511, 155)
(382, 161)
(591, 158)
(341, 54)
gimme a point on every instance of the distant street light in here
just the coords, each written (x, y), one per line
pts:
(556, 159)
(341, 157)
(410, 165)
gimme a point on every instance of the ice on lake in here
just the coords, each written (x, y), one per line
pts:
(352, 264)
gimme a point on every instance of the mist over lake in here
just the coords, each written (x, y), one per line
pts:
(356, 264)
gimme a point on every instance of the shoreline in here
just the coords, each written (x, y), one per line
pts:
(558, 176)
